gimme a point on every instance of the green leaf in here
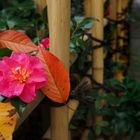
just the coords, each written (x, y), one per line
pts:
(73, 127)
(5, 52)
(98, 130)
(78, 19)
(2, 25)
(11, 24)
(88, 25)
(103, 123)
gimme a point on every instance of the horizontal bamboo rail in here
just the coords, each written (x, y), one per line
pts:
(30, 107)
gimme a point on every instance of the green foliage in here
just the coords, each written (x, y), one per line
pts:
(80, 43)
(4, 52)
(122, 107)
(100, 126)
(77, 8)
(17, 15)
(79, 26)
(21, 16)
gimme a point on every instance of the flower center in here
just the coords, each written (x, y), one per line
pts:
(20, 74)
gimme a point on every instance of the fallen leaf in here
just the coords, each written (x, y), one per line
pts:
(8, 119)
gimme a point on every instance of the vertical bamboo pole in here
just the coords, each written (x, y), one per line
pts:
(97, 12)
(98, 32)
(87, 13)
(119, 16)
(113, 16)
(40, 5)
(125, 4)
(94, 8)
(87, 8)
(113, 12)
(59, 28)
(119, 75)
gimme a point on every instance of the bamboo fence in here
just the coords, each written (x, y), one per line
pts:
(59, 34)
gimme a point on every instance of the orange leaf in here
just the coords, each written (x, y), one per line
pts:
(58, 86)
(16, 41)
(8, 120)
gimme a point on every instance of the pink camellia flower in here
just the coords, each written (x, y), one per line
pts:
(45, 43)
(20, 76)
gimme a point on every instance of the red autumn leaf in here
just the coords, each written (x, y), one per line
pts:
(58, 86)
(16, 41)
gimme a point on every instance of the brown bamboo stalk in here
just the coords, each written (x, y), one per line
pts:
(113, 16)
(125, 4)
(87, 8)
(98, 56)
(73, 104)
(40, 5)
(119, 75)
(94, 8)
(122, 6)
(119, 17)
(98, 32)
(59, 28)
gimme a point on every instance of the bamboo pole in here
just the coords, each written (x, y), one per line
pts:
(98, 56)
(40, 5)
(87, 8)
(72, 104)
(113, 16)
(94, 8)
(98, 31)
(59, 28)
(119, 17)
(125, 4)
(121, 6)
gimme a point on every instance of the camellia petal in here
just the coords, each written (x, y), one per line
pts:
(28, 94)
(11, 89)
(45, 43)
(37, 77)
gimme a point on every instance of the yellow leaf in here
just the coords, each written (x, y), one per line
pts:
(8, 119)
